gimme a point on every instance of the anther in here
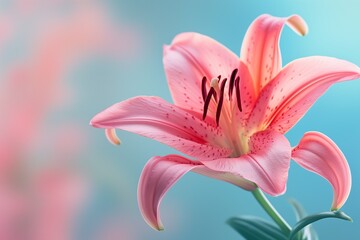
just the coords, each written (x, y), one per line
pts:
(203, 88)
(207, 101)
(237, 89)
(232, 81)
(221, 99)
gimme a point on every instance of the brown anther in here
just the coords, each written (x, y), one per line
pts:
(219, 91)
(203, 88)
(207, 101)
(232, 81)
(237, 89)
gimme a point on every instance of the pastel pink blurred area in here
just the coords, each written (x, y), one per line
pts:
(24, 100)
(42, 207)
(74, 25)
(41, 202)
(118, 228)
(42, 195)
(126, 226)
(59, 197)
(5, 29)
(30, 87)
(53, 190)
(12, 206)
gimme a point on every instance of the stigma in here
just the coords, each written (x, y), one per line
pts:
(217, 93)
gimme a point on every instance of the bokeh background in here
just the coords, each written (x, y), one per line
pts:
(63, 61)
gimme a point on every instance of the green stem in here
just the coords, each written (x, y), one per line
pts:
(271, 211)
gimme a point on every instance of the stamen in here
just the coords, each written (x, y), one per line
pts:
(203, 88)
(218, 110)
(215, 96)
(232, 80)
(207, 101)
(238, 97)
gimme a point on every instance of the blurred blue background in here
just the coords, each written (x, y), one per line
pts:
(197, 207)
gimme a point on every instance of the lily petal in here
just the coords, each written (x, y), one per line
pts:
(158, 175)
(161, 173)
(157, 119)
(189, 58)
(267, 163)
(260, 49)
(295, 89)
(319, 154)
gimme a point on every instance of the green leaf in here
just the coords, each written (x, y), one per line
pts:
(308, 232)
(316, 217)
(253, 228)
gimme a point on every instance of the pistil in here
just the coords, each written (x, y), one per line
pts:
(215, 84)
(220, 103)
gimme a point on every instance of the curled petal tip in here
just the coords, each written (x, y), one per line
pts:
(319, 154)
(298, 24)
(156, 225)
(159, 228)
(112, 137)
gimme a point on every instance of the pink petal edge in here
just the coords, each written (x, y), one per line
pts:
(319, 154)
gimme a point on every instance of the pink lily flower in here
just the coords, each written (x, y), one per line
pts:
(230, 115)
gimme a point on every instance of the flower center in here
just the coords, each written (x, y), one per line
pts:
(217, 92)
(224, 114)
